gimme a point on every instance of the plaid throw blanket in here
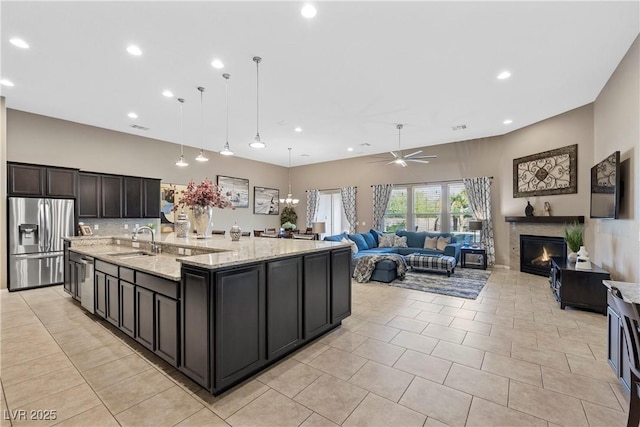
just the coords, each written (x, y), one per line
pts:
(366, 264)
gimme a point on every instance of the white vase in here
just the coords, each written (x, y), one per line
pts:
(202, 221)
(572, 257)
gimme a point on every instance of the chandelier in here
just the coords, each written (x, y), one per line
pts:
(289, 201)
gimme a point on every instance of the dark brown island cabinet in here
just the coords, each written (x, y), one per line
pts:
(578, 288)
(236, 321)
(221, 325)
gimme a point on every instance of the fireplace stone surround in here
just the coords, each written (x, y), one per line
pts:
(552, 226)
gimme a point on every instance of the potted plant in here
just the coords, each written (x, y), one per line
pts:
(574, 235)
(288, 215)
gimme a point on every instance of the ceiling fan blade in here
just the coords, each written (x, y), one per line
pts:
(418, 161)
(394, 154)
(381, 160)
(413, 154)
(426, 157)
(392, 162)
(404, 164)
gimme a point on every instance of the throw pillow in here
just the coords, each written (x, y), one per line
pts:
(376, 235)
(400, 242)
(386, 240)
(362, 244)
(354, 247)
(442, 243)
(371, 241)
(430, 242)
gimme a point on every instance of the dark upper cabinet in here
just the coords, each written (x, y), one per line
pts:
(151, 198)
(34, 180)
(111, 202)
(25, 180)
(89, 195)
(132, 197)
(61, 182)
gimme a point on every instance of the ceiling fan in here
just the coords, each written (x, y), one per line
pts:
(400, 159)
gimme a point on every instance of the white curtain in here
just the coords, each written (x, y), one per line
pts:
(381, 197)
(313, 199)
(479, 194)
(348, 195)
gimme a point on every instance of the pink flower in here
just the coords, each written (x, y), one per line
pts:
(204, 194)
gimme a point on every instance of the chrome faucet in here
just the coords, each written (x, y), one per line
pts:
(154, 248)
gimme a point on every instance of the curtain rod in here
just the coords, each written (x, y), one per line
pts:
(324, 189)
(431, 182)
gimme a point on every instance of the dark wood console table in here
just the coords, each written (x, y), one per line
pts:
(579, 288)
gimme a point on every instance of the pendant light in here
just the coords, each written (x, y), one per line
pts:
(181, 161)
(227, 151)
(201, 157)
(256, 143)
(289, 201)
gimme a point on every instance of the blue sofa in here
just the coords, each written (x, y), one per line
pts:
(385, 271)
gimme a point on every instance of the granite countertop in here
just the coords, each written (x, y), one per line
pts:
(630, 291)
(215, 252)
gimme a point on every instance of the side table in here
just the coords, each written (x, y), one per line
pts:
(475, 251)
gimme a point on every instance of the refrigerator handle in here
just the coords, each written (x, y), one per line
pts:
(41, 225)
(47, 225)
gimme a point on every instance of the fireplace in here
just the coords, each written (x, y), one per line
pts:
(536, 253)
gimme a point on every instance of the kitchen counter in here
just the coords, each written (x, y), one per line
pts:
(213, 253)
(630, 291)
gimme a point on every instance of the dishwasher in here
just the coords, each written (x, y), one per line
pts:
(86, 284)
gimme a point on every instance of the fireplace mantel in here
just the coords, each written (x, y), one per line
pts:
(545, 219)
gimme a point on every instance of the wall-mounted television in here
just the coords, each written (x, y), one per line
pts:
(606, 187)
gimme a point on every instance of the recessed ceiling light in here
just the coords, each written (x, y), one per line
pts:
(216, 63)
(132, 115)
(5, 82)
(508, 122)
(168, 93)
(298, 129)
(308, 11)
(19, 43)
(350, 149)
(504, 75)
(134, 50)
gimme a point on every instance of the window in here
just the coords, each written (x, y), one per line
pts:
(331, 213)
(396, 216)
(442, 207)
(427, 207)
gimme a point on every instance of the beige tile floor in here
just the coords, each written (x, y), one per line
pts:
(404, 358)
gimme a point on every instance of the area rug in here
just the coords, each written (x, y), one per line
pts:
(464, 283)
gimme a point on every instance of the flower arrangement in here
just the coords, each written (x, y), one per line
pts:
(202, 195)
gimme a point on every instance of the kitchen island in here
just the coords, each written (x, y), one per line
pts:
(219, 310)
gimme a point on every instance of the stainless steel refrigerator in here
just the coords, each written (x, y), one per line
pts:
(36, 229)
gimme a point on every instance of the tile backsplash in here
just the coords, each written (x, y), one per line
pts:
(116, 226)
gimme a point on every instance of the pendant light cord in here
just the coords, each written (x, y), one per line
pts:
(257, 60)
(181, 101)
(289, 171)
(226, 88)
(201, 89)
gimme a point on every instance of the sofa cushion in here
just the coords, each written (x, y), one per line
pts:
(400, 242)
(385, 240)
(336, 238)
(414, 239)
(376, 235)
(354, 247)
(362, 244)
(430, 242)
(371, 241)
(379, 251)
(442, 243)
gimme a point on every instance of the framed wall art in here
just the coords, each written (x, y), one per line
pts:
(266, 201)
(235, 189)
(547, 173)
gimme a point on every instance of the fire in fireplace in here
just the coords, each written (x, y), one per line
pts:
(536, 253)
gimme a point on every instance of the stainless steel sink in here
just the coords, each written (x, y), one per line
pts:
(129, 255)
